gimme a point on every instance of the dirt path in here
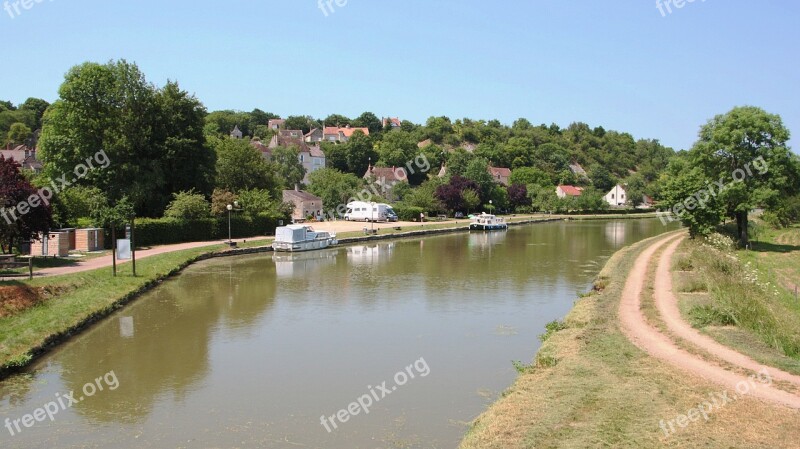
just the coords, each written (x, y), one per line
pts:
(655, 343)
(667, 305)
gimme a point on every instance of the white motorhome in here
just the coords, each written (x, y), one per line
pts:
(363, 211)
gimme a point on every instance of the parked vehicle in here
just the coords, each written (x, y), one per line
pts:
(363, 211)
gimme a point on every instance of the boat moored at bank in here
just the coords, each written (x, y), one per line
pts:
(488, 222)
(296, 238)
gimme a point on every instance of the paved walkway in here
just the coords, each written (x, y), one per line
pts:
(105, 261)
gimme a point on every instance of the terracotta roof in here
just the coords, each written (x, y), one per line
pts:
(395, 121)
(258, 145)
(571, 190)
(348, 132)
(500, 172)
(316, 151)
(287, 138)
(387, 174)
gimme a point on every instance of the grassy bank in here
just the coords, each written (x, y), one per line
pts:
(745, 298)
(590, 387)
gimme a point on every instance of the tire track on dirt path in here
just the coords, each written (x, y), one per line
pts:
(634, 325)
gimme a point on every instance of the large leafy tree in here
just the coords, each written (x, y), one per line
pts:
(334, 187)
(370, 121)
(188, 160)
(152, 138)
(38, 106)
(360, 152)
(746, 148)
(18, 134)
(16, 195)
(452, 194)
(478, 171)
(242, 167)
(289, 170)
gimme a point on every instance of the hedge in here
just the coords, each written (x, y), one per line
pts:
(166, 231)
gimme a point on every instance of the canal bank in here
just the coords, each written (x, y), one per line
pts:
(62, 307)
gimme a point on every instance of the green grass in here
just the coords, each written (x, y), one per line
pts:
(745, 289)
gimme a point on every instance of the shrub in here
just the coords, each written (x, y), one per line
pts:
(188, 206)
(407, 213)
(166, 231)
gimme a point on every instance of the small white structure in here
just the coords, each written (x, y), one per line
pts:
(617, 196)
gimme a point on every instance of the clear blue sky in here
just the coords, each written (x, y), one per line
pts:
(619, 64)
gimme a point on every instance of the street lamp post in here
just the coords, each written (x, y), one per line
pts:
(230, 209)
(372, 216)
(491, 207)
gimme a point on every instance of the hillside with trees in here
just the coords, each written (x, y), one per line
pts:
(174, 160)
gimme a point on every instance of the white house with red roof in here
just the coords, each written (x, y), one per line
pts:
(568, 191)
(394, 121)
(617, 197)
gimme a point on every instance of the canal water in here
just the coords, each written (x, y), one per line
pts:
(253, 351)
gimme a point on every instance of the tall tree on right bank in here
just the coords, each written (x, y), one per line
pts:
(729, 144)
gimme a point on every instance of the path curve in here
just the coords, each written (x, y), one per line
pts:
(667, 306)
(634, 325)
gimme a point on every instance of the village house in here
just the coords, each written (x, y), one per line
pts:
(265, 150)
(276, 124)
(236, 133)
(305, 204)
(568, 191)
(311, 156)
(314, 136)
(385, 178)
(23, 155)
(341, 135)
(500, 175)
(617, 197)
(394, 121)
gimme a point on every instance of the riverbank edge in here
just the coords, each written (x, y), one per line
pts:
(580, 315)
(93, 317)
